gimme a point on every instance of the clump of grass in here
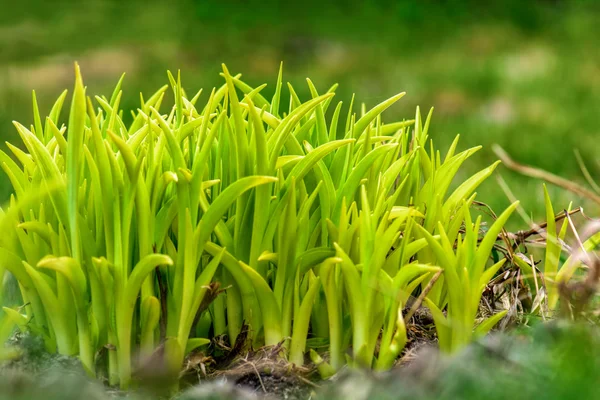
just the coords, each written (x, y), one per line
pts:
(316, 229)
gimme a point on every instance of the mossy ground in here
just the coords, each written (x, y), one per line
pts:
(550, 361)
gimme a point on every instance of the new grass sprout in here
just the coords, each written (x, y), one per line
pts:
(311, 226)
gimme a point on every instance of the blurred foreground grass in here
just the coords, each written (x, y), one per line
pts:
(554, 361)
(524, 75)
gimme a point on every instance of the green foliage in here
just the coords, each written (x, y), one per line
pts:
(466, 277)
(317, 227)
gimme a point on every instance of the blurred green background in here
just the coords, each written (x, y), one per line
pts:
(523, 74)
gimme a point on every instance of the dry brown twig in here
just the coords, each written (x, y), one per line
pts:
(421, 297)
(544, 175)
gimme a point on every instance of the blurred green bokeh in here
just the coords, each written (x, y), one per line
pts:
(525, 75)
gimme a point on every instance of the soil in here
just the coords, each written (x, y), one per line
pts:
(287, 387)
